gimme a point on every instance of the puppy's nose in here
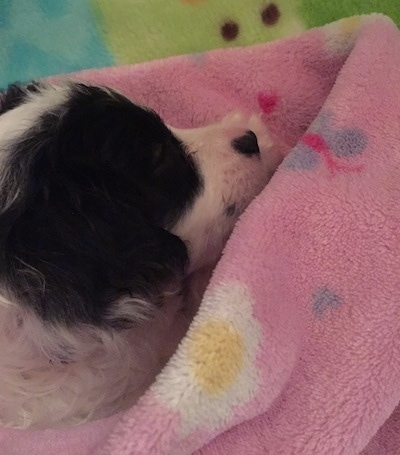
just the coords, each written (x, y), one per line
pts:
(247, 144)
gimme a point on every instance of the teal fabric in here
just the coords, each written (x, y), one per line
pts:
(44, 37)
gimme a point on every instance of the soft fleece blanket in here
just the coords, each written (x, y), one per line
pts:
(44, 37)
(296, 346)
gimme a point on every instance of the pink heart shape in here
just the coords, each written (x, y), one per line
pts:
(267, 102)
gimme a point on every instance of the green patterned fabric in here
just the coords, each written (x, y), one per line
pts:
(45, 37)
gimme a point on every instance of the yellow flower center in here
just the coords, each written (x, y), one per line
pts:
(215, 354)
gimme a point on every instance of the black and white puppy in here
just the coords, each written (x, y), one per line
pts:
(104, 213)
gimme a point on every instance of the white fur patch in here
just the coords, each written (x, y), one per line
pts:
(230, 179)
(17, 121)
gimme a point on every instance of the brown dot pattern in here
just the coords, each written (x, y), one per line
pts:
(270, 14)
(229, 30)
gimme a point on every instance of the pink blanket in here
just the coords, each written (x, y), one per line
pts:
(296, 347)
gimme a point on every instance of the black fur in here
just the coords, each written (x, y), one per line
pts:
(99, 180)
(15, 94)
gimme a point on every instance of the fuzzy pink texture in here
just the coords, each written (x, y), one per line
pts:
(318, 250)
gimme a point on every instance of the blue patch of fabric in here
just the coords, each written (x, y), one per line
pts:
(41, 38)
(325, 299)
(301, 158)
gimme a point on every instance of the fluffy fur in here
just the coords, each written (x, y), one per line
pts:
(110, 223)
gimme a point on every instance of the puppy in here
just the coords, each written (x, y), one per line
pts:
(106, 214)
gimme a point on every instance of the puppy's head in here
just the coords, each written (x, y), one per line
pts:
(101, 204)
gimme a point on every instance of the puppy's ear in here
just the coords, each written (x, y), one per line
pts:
(93, 264)
(73, 244)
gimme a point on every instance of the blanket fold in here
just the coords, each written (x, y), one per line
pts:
(296, 346)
